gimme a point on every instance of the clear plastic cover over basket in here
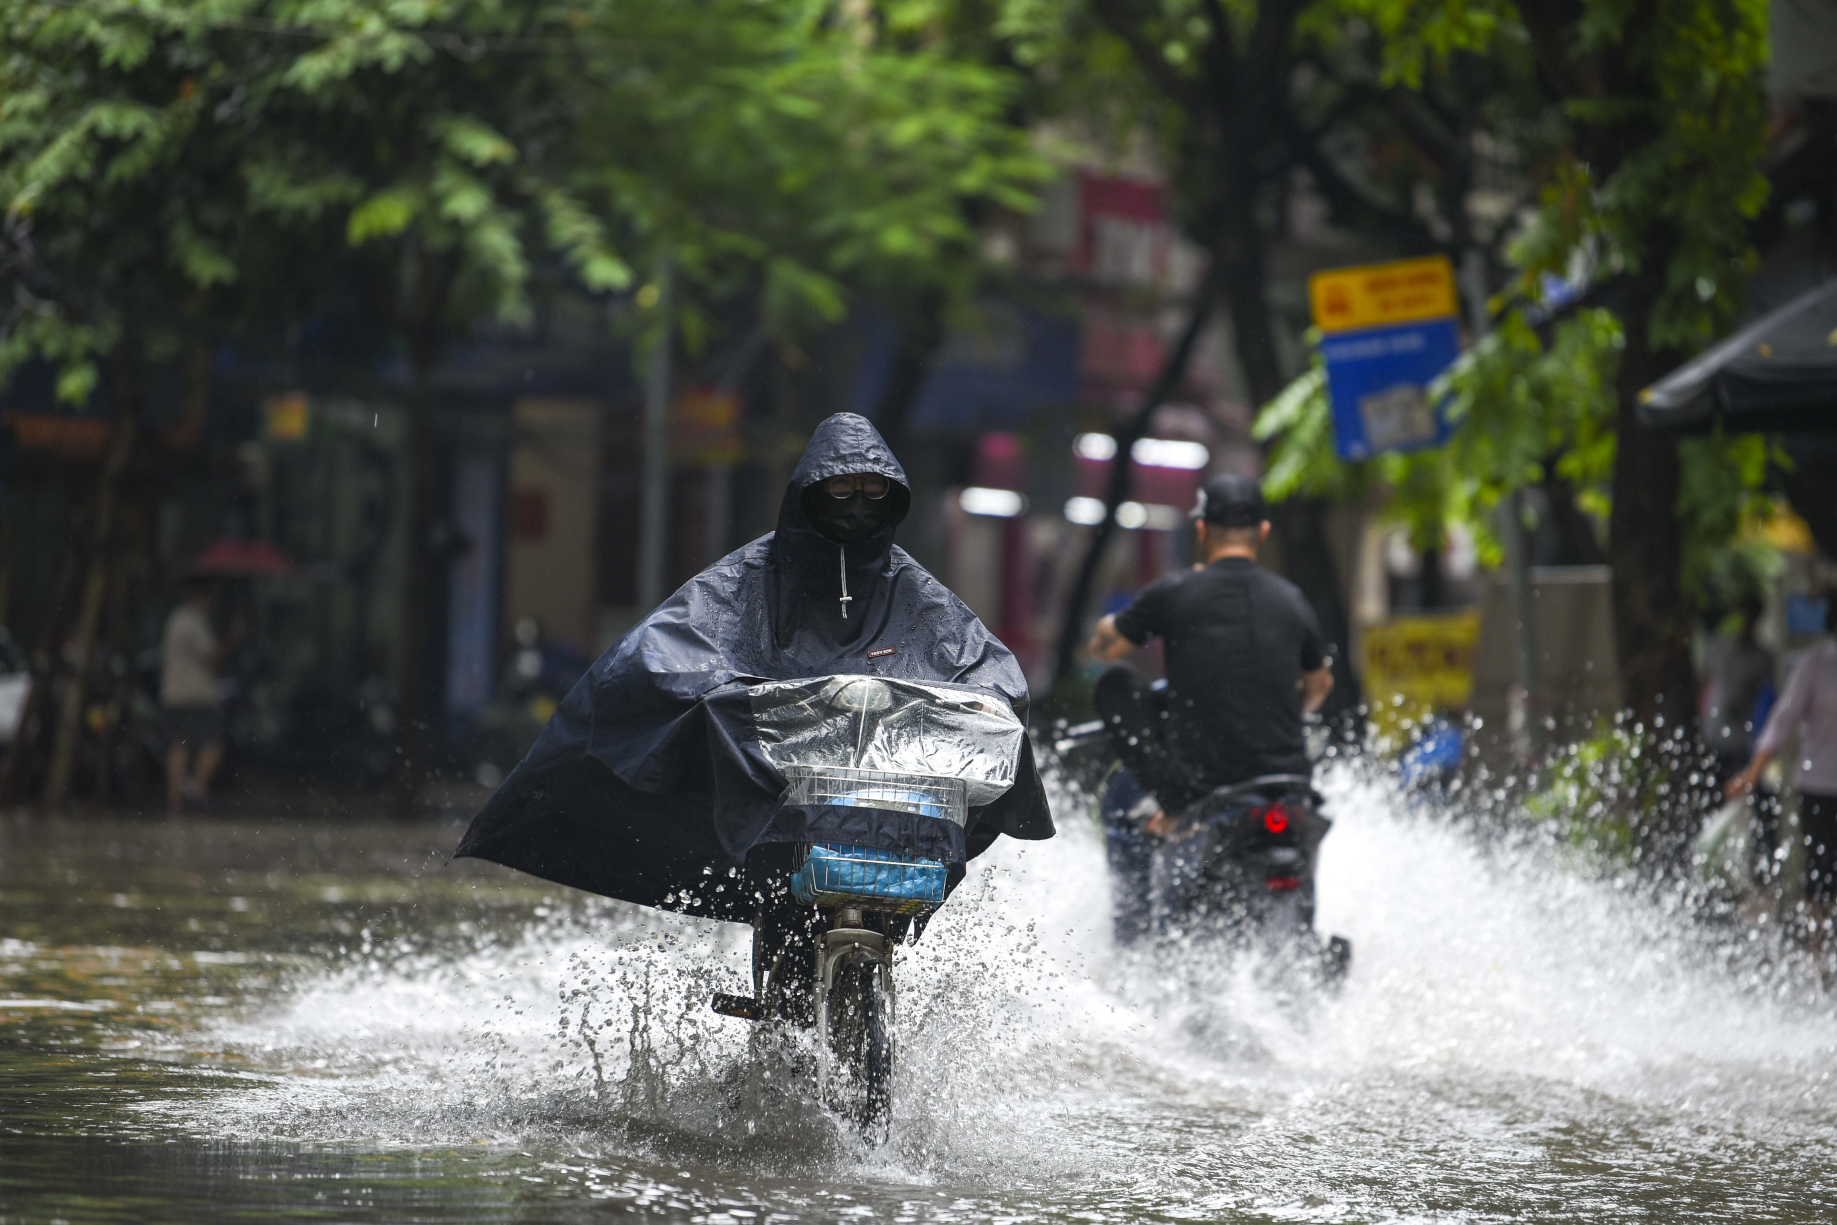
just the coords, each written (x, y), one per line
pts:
(891, 727)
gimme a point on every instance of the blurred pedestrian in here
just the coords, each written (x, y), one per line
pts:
(192, 714)
(1808, 708)
(1737, 692)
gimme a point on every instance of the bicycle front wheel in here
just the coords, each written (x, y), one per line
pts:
(857, 1023)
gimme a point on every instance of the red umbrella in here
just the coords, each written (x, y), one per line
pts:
(232, 558)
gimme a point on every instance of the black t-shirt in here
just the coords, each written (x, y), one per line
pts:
(1238, 639)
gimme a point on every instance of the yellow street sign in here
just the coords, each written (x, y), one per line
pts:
(1416, 667)
(1375, 295)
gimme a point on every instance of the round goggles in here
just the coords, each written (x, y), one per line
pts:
(875, 487)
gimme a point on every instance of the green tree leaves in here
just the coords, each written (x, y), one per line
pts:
(384, 215)
(1523, 411)
(1647, 118)
(157, 150)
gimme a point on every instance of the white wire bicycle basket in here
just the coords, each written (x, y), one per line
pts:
(834, 874)
(925, 795)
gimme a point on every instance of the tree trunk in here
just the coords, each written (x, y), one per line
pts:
(421, 321)
(95, 588)
(1431, 587)
(119, 681)
(417, 582)
(44, 662)
(1245, 283)
(1241, 111)
(1645, 541)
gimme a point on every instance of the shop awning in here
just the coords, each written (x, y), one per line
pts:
(1777, 374)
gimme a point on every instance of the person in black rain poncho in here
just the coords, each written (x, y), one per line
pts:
(648, 784)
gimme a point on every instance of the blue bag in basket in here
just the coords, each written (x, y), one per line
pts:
(834, 874)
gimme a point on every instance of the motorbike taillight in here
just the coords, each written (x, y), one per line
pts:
(1275, 818)
(1281, 884)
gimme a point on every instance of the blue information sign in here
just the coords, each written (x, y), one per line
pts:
(1376, 378)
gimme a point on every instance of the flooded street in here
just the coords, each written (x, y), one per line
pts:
(219, 1021)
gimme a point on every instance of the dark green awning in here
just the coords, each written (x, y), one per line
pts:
(1777, 374)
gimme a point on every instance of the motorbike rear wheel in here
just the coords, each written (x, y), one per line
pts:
(857, 1028)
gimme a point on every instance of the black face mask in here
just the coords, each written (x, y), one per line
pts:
(849, 520)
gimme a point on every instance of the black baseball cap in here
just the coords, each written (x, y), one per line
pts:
(1231, 499)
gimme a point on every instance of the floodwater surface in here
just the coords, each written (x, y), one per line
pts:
(210, 1021)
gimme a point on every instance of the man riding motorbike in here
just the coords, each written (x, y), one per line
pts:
(1245, 658)
(651, 783)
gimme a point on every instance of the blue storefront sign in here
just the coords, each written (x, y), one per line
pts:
(1376, 378)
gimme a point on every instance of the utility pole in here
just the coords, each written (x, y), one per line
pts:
(1522, 722)
(655, 502)
(1523, 707)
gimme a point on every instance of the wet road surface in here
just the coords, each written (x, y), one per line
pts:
(227, 1021)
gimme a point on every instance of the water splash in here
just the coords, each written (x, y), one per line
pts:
(1509, 1026)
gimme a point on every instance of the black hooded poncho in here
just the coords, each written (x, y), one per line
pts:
(649, 783)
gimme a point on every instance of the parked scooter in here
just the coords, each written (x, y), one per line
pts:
(872, 762)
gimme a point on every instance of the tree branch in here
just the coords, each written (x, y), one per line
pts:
(1224, 39)
(1349, 103)
(1173, 370)
(1267, 51)
(1115, 18)
(1352, 201)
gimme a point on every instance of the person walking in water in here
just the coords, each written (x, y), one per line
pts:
(1808, 709)
(192, 716)
(1737, 687)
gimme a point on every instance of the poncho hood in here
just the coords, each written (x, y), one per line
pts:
(649, 783)
(812, 573)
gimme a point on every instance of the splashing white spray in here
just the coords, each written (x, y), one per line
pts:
(1505, 1025)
